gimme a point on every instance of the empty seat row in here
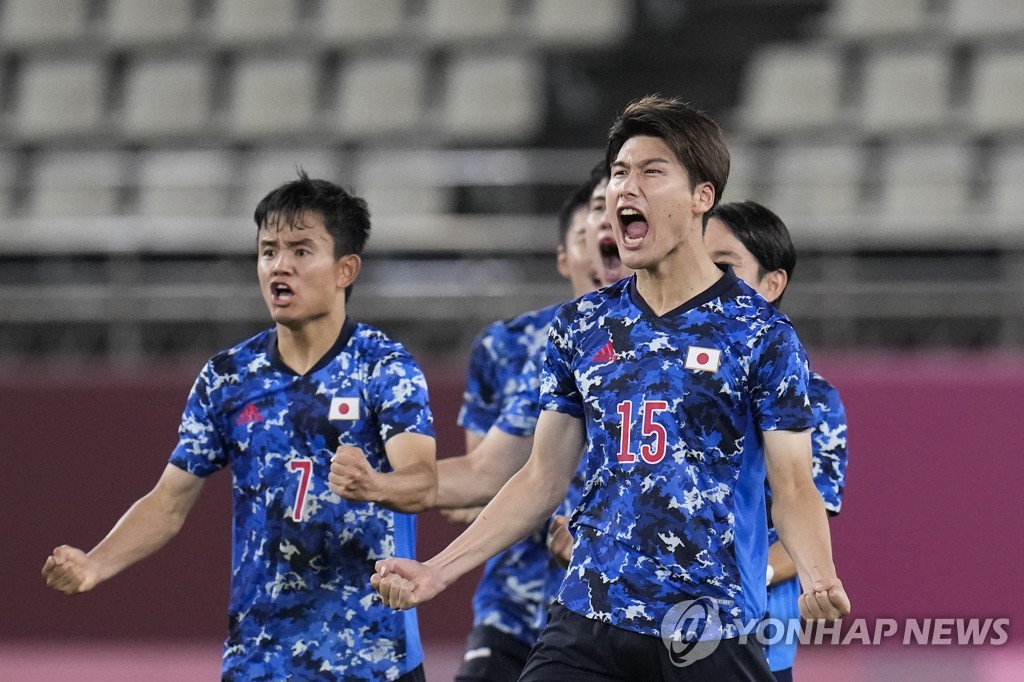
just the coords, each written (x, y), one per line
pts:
(801, 87)
(141, 22)
(483, 97)
(961, 19)
(913, 185)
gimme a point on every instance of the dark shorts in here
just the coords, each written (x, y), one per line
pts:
(492, 656)
(577, 649)
(784, 675)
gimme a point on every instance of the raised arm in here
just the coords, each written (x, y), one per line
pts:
(474, 478)
(410, 487)
(523, 504)
(147, 526)
(799, 516)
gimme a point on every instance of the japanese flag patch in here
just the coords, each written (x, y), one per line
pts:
(344, 409)
(704, 359)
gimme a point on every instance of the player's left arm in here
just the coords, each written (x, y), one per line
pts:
(799, 516)
(410, 486)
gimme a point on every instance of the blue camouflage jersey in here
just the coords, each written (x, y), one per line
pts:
(828, 442)
(301, 603)
(502, 387)
(673, 506)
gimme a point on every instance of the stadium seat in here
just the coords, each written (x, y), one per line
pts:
(254, 21)
(980, 18)
(355, 22)
(789, 88)
(746, 181)
(1007, 188)
(905, 90)
(493, 97)
(8, 188)
(167, 97)
(59, 98)
(997, 92)
(381, 95)
(815, 184)
(186, 183)
(926, 184)
(454, 21)
(267, 168)
(402, 182)
(77, 184)
(26, 23)
(580, 23)
(142, 22)
(272, 97)
(868, 19)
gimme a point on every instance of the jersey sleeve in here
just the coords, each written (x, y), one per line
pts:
(779, 381)
(519, 413)
(200, 450)
(481, 399)
(558, 389)
(398, 395)
(828, 443)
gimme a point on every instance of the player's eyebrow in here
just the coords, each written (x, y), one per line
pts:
(641, 164)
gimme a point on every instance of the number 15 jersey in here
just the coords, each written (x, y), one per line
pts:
(673, 502)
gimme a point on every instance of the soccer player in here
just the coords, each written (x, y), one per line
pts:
(756, 244)
(685, 386)
(325, 424)
(499, 414)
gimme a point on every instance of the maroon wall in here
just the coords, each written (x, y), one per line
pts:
(932, 523)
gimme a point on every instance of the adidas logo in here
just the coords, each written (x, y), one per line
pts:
(249, 415)
(606, 354)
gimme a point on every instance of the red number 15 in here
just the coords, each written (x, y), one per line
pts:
(652, 454)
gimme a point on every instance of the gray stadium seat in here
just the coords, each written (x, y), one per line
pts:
(167, 96)
(792, 88)
(905, 90)
(8, 188)
(816, 185)
(141, 22)
(77, 184)
(268, 168)
(253, 21)
(272, 97)
(454, 21)
(868, 19)
(186, 183)
(981, 18)
(926, 185)
(1007, 189)
(997, 92)
(493, 97)
(380, 96)
(31, 22)
(578, 23)
(746, 181)
(356, 22)
(60, 97)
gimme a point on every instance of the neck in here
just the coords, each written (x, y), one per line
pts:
(301, 347)
(685, 272)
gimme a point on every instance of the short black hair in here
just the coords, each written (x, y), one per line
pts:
(346, 216)
(763, 233)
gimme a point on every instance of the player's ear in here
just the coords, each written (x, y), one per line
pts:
(562, 261)
(774, 283)
(703, 197)
(347, 269)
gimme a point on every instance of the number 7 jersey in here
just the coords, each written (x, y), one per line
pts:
(673, 501)
(301, 602)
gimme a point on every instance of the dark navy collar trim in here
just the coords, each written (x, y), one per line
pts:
(348, 328)
(727, 281)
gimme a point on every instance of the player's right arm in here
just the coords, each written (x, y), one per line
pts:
(523, 504)
(147, 526)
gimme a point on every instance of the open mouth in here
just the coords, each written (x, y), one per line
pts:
(281, 293)
(609, 253)
(634, 226)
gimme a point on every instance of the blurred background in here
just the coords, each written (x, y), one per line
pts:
(137, 136)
